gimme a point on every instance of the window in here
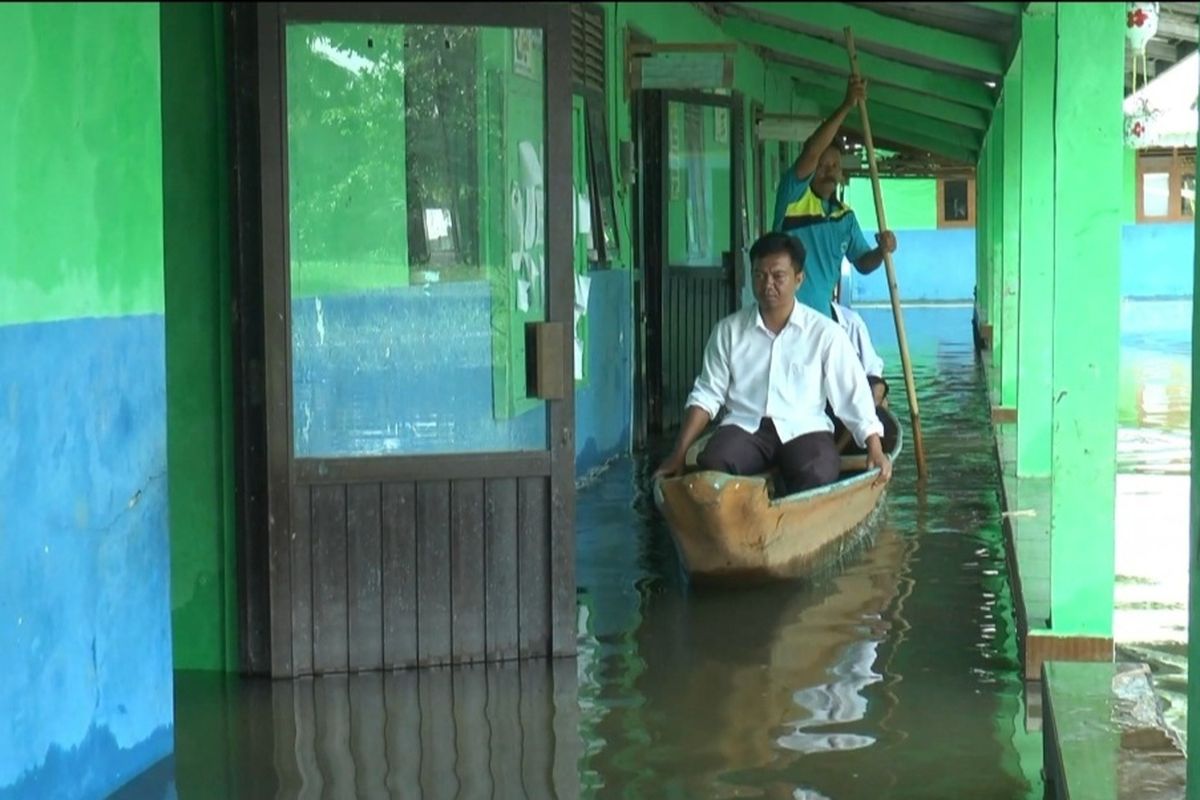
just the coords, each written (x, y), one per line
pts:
(956, 202)
(1166, 186)
(588, 70)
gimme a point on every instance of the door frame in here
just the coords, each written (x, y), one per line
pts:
(267, 469)
(652, 220)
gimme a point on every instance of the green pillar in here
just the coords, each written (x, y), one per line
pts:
(1087, 246)
(996, 237)
(1038, 59)
(983, 286)
(1010, 237)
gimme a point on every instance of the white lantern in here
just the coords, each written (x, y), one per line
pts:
(1141, 24)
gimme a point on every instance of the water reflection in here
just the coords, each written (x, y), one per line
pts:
(472, 732)
(838, 701)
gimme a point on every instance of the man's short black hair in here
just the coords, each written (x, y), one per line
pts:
(774, 243)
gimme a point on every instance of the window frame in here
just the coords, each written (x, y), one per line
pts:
(942, 222)
(1174, 164)
(600, 175)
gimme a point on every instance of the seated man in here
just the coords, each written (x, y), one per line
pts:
(854, 326)
(775, 366)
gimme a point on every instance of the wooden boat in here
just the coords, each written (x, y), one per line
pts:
(730, 528)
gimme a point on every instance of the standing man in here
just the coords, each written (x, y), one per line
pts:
(807, 208)
(776, 366)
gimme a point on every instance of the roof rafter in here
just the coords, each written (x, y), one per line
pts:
(871, 28)
(876, 69)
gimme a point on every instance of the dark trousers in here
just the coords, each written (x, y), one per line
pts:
(805, 462)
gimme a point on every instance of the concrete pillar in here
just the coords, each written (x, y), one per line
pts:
(1038, 60)
(1009, 235)
(1088, 188)
(983, 285)
(996, 237)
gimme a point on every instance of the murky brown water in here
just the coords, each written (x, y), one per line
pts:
(895, 676)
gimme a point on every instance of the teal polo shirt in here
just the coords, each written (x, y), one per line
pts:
(828, 230)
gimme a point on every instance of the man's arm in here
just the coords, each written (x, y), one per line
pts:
(865, 258)
(694, 423)
(823, 136)
(704, 402)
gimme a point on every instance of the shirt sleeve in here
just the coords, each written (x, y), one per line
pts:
(712, 386)
(871, 361)
(848, 392)
(789, 191)
(858, 246)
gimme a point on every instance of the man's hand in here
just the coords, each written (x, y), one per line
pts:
(879, 392)
(856, 90)
(876, 458)
(886, 241)
(671, 466)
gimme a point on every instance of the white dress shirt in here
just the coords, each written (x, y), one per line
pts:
(856, 328)
(788, 377)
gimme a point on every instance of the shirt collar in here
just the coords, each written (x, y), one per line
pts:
(796, 318)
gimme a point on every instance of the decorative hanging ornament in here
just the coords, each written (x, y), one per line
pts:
(1141, 24)
(1140, 125)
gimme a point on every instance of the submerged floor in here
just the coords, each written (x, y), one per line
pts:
(895, 676)
(1153, 483)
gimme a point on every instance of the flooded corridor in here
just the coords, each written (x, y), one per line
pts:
(895, 676)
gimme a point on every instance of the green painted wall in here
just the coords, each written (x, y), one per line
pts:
(911, 203)
(68, 204)
(199, 358)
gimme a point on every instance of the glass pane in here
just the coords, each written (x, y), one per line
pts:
(1156, 194)
(600, 165)
(416, 213)
(954, 201)
(698, 205)
(1187, 195)
(585, 212)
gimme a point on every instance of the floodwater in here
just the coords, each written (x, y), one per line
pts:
(1153, 476)
(894, 676)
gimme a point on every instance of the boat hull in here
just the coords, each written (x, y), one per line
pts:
(728, 529)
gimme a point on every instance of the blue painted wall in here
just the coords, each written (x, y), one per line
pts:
(409, 370)
(939, 265)
(1157, 260)
(85, 685)
(604, 405)
(931, 266)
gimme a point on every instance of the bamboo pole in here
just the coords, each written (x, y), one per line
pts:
(906, 364)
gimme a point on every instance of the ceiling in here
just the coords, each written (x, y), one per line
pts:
(932, 98)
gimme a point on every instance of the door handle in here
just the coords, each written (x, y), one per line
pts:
(545, 360)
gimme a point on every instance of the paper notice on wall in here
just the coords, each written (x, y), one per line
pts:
(523, 287)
